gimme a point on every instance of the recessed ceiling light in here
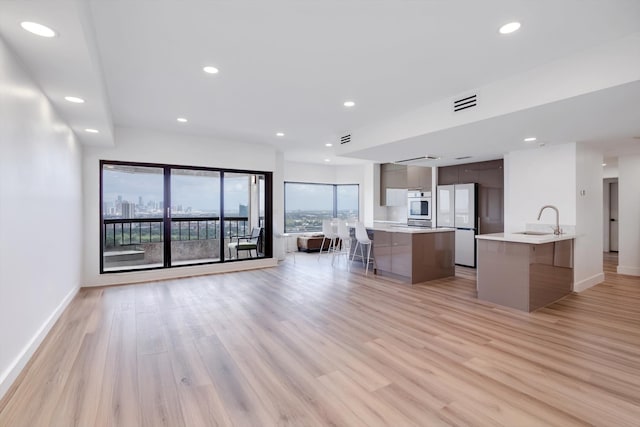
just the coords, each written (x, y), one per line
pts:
(182, 120)
(349, 104)
(279, 134)
(509, 28)
(328, 144)
(38, 29)
(530, 139)
(210, 69)
(91, 130)
(327, 160)
(74, 99)
(604, 164)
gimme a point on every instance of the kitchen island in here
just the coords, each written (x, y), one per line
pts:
(525, 271)
(413, 254)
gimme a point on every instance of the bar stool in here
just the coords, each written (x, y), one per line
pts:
(345, 242)
(362, 239)
(329, 234)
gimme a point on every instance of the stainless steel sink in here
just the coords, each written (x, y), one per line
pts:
(533, 233)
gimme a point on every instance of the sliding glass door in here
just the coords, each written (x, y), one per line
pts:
(195, 216)
(161, 216)
(243, 222)
(132, 217)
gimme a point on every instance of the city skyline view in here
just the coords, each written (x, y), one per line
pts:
(191, 193)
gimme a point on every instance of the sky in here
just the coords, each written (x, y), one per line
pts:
(198, 192)
(314, 197)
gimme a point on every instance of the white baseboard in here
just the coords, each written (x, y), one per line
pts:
(127, 278)
(588, 282)
(629, 271)
(11, 373)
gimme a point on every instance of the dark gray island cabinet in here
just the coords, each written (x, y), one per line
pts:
(414, 254)
(525, 272)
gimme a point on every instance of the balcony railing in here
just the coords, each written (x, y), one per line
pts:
(123, 232)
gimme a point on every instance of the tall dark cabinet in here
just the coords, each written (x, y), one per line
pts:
(490, 178)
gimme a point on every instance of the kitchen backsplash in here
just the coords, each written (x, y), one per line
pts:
(396, 213)
(547, 228)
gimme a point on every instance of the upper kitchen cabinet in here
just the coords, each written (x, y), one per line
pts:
(394, 177)
(490, 179)
(418, 178)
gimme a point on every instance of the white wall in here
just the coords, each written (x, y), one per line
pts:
(40, 216)
(278, 206)
(629, 215)
(135, 145)
(589, 242)
(557, 175)
(537, 177)
(309, 172)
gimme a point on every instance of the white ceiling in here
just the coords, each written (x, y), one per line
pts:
(602, 119)
(289, 65)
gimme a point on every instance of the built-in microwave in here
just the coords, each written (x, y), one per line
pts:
(419, 205)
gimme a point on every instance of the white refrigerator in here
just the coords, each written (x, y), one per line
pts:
(457, 208)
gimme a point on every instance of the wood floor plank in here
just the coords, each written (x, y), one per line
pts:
(157, 393)
(239, 400)
(117, 400)
(77, 405)
(308, 344)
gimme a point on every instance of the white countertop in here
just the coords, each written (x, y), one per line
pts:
(525, 238)
(406, 229)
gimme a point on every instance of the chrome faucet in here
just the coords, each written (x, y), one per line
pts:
(556, 230)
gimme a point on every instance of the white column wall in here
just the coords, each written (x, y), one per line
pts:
(556, 175)
(136, 145)
(368, 199)
(40, 216)
(537, 177)
(278, 206)
(629, 214)
(589, 242)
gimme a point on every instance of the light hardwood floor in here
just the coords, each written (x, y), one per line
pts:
(307, 344)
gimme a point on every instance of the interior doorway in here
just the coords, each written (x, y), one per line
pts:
(613, 217)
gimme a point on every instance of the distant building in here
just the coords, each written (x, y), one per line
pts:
(128, 209)
(243, 210)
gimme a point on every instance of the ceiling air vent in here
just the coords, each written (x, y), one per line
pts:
(464, 103)
(463, 158)
(345, 138)
(415, 159)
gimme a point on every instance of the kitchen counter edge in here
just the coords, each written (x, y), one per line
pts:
(523, 238)
(410, 230)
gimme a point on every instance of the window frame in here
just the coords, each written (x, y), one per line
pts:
(166, 220)
(334, 210)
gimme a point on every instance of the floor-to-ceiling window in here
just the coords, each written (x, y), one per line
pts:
(347, 201)
(160, 216)
(307, 204)
(195, 215)
(132, 216)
